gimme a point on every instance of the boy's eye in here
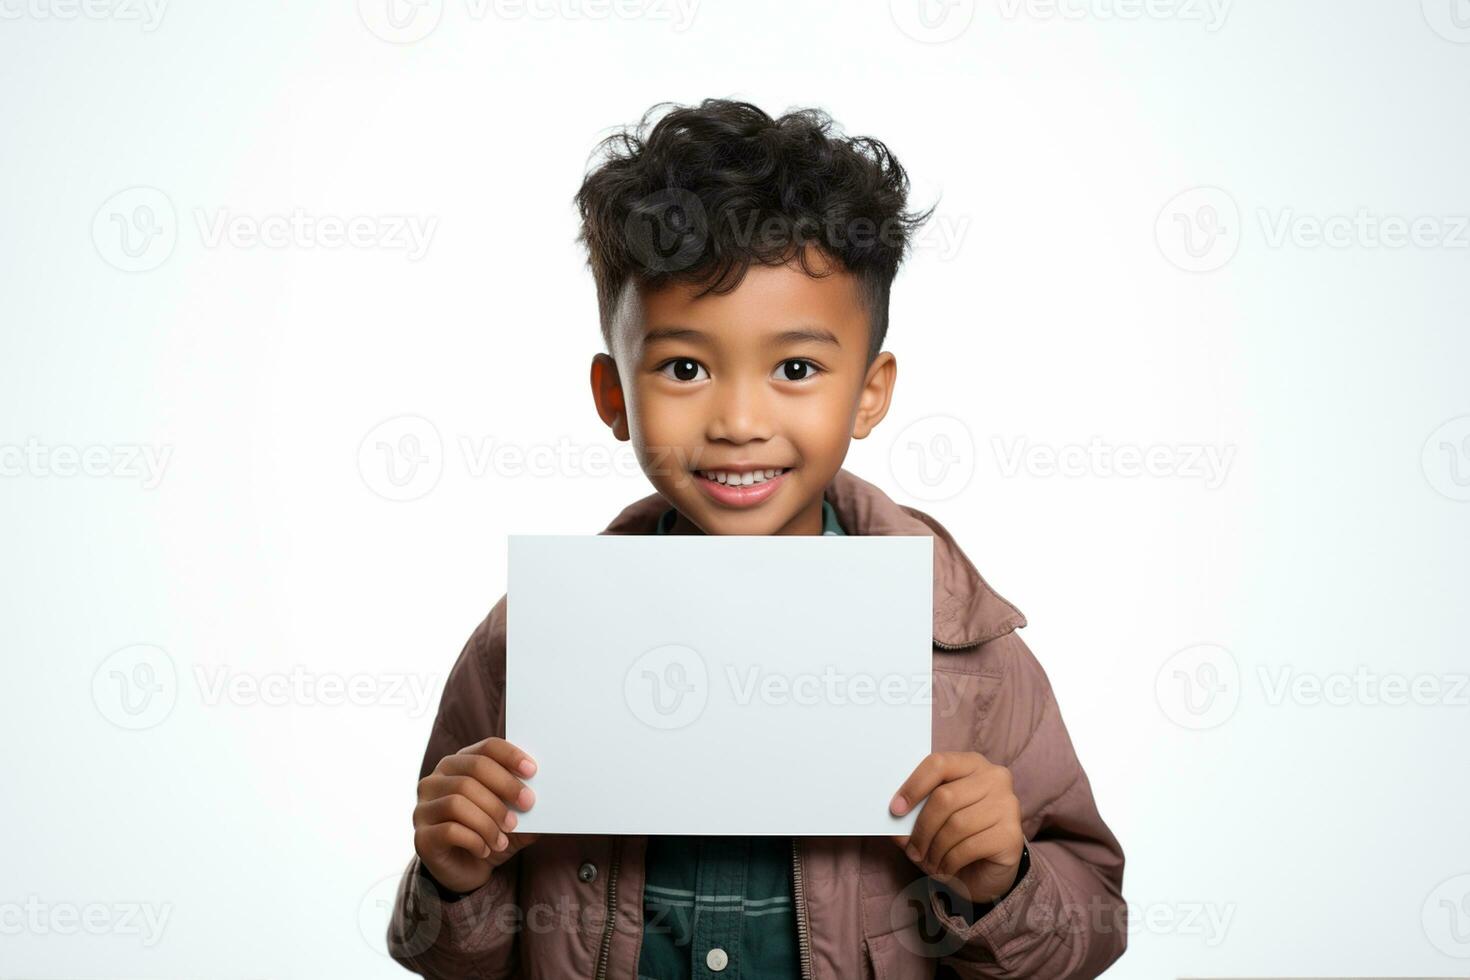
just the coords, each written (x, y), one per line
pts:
(796, 369)
(682, 369)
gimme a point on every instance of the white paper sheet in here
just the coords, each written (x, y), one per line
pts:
(719, 684)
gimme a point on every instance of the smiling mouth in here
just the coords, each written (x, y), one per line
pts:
(746, 487)
(742, 478)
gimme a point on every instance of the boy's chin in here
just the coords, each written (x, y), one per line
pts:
(757, 520)
(767, 517)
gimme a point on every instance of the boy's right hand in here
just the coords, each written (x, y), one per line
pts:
(463, 821)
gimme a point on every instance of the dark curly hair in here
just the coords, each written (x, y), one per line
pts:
(706, 190)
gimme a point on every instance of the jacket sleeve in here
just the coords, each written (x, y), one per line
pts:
(433, 931)
(1065, 917)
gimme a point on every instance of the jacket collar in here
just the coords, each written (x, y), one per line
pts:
(967, 611)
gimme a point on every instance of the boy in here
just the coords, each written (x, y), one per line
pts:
(743, 267)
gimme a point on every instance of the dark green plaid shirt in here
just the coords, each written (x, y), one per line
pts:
(720, 908)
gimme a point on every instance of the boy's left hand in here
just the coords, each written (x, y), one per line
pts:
(970, 826)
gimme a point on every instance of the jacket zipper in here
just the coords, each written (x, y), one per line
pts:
(605, 952)
(803, 926)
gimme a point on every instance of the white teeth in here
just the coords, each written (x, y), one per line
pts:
(741, 479)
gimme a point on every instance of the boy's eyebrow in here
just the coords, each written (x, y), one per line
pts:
(819, 335)
(674, 333)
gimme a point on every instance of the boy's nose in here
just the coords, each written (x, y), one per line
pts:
(740, 415)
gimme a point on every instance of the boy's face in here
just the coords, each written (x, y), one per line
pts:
(772, 375)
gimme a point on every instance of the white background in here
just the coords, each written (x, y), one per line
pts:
(1328, 831)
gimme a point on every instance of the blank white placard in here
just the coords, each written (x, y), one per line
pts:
(719, 684)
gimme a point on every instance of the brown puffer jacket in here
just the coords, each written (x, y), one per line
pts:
(572, 906)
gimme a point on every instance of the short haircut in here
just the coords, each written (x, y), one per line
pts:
(695, 194)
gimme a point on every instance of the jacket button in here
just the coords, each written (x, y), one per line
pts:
(717, 959)
(587, 872)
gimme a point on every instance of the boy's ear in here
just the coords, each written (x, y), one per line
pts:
(876, 394)
(607, 393)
